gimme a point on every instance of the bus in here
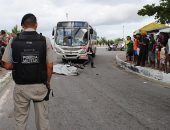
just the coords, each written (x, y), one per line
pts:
(72, 38)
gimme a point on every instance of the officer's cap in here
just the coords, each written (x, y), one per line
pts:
(29, 18)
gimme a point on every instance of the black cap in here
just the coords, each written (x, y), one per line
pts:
(3, 32)
(29, 18)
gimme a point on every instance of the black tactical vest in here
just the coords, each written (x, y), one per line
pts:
(29, 58)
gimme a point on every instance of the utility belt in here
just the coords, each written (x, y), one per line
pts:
(25, 83)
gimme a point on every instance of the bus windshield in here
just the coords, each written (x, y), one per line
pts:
(72, 36)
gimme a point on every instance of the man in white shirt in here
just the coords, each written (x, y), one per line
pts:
(168, 52)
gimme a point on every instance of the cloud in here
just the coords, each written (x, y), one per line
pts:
(60, 3)
(49, 12)
(116, 31)
(113, 2)
(103, 14)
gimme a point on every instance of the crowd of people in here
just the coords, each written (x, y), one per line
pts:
(4, 39)
(149, 50)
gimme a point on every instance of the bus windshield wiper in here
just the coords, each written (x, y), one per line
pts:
(77, 31)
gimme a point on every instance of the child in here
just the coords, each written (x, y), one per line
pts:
(162, 58)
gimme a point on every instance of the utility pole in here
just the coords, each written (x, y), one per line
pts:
(67, 16)
(123, 32)
(124, 36)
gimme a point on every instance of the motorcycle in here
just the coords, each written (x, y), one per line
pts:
(112, 47)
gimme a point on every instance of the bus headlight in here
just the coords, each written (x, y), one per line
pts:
(83, 51)
(59, 51)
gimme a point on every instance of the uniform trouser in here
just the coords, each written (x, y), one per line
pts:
(142, 57)
(90, 59)
(23, 95)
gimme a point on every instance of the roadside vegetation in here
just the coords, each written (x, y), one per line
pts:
(103, 41)
(160, 11)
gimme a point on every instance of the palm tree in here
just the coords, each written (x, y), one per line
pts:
(15, 30)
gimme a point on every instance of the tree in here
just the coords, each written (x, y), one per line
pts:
(15, 30)
(103, 40)
(118, 40)
(110, 42)
(161, 11)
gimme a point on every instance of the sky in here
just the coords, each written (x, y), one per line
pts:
(108, 17)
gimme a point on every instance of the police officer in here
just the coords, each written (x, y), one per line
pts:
(90, 54)
(30, 56)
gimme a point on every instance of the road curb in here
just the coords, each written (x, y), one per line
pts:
(5, 80)
(143, 71)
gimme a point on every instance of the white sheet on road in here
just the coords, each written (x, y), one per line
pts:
(65, 69)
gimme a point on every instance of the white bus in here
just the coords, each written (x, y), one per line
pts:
(72, 38)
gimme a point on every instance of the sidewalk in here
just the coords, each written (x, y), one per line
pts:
(5, 77)
(144, 71)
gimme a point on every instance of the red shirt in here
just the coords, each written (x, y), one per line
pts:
(135, 45)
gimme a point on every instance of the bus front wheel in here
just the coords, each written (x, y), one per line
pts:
(64, 60)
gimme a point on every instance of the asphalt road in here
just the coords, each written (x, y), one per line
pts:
(103, 98)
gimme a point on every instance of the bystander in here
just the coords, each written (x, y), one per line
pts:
(143, 44)
(151, 53)
(129, 49)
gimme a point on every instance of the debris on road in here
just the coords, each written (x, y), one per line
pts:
(65, 70)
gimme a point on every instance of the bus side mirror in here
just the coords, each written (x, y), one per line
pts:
(91, 31)
(53, 32)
